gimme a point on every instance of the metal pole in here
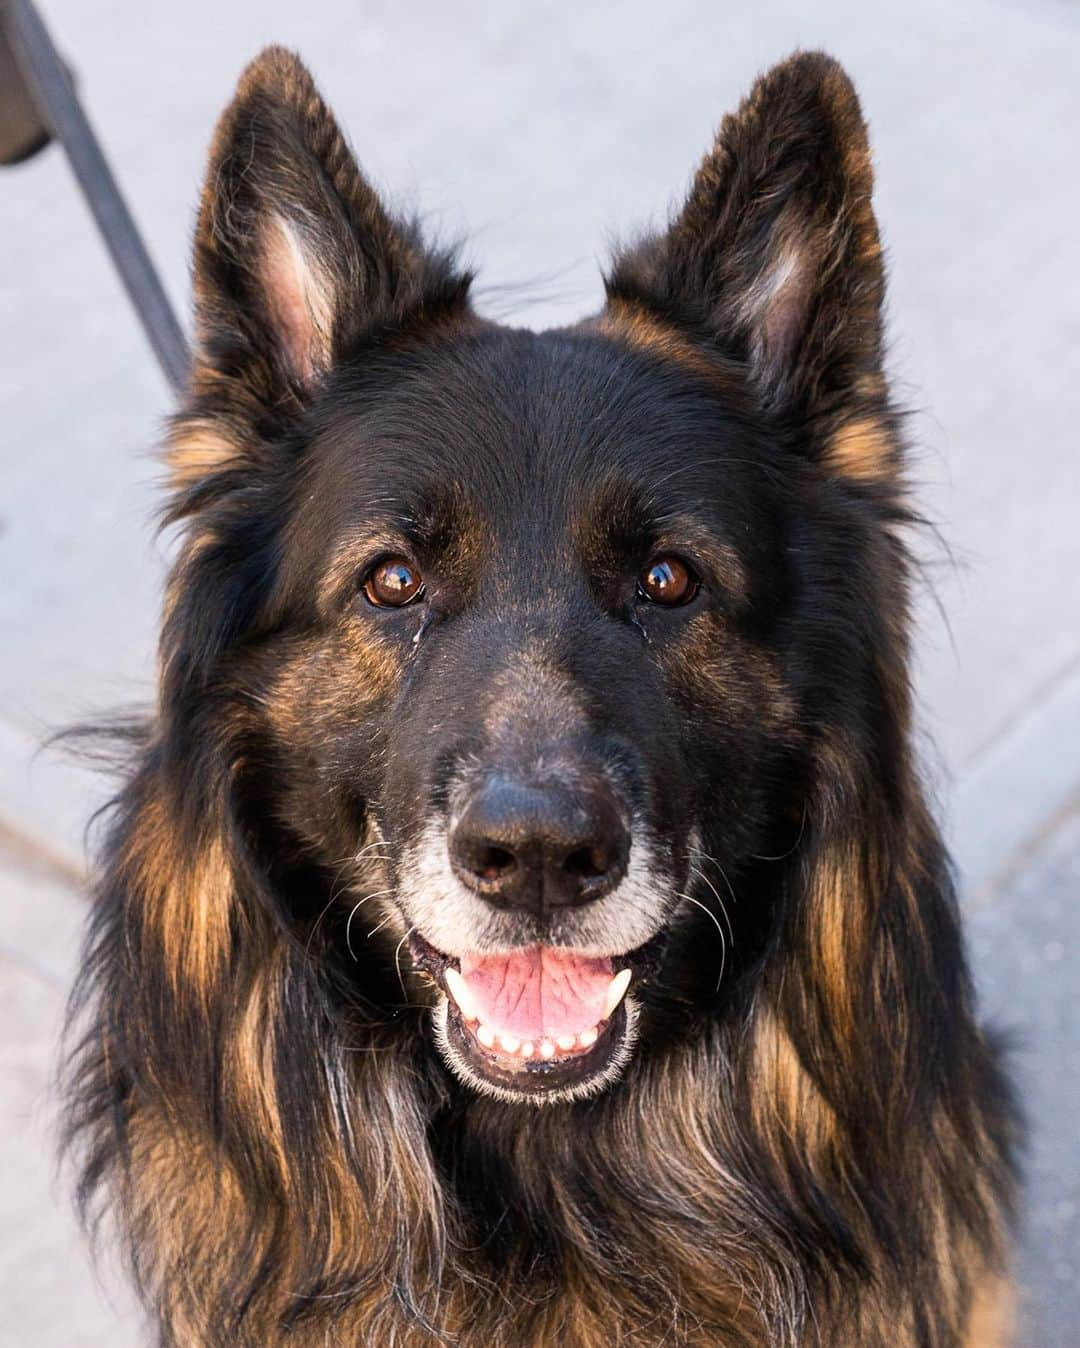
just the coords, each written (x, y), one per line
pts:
(55, 96)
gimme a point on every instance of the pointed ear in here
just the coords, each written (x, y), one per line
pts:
(775, 256)
(295, 256)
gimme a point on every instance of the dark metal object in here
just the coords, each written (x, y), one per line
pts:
(46, 81)
(22, 129)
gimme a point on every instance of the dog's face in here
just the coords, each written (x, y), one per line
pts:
(530, 627)
(536, 563)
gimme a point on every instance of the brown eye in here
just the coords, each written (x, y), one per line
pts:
(666, 580)
(392, 583)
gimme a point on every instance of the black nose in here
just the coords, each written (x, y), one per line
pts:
(520, 845)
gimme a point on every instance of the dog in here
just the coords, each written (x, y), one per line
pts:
(521, 922)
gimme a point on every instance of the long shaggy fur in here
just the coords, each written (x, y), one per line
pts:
(821, 1152)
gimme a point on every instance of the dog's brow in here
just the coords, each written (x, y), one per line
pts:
(352, 552)
(679, 533)
(621, 520)
(439, 523)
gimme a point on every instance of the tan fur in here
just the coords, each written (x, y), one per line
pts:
(191, 1209)
(993, 1316)
(646, 333)
(293, 702)
(199, 447)
(863, 450)
(187, 1208)
(787, 1103)
(186, 901)
(838, 931)
(250, 1063)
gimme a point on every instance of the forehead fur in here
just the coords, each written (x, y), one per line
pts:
(504, 413)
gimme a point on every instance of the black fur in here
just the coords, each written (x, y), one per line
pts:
(811, 1141)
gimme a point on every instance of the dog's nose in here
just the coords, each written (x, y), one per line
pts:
(534, 847)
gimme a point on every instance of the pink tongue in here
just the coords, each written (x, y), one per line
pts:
(538, 991)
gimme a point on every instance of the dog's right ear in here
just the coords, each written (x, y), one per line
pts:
(295, 255)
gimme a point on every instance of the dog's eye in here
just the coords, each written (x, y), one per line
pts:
(667, 580)
(392, 583)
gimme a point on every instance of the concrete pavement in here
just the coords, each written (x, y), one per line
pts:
(539, 134)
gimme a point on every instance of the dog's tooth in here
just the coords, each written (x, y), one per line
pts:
(486, 1036)
(616, 991)
(509, 1042)
(566, 1041)
(459, 990)
(526, 1050)
(547, 1048)
(588, 1037)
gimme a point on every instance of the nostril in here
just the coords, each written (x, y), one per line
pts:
(492, 863)
(586, 863)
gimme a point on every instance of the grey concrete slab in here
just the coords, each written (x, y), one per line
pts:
(1028, 773)
(1025, 945)
(42, 915)
(52, 1294)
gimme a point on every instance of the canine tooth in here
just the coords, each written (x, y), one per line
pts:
(566, 1041)
(509, 1043)
(526, 1050)
(459, 990)
(547, 1048)
(616, 991)
(486, 1036)
(588, 1037)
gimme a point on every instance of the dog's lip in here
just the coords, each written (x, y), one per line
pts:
(428, 959)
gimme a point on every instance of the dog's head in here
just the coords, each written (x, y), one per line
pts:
(526, 639)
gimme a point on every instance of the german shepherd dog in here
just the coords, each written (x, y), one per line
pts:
(522, 923)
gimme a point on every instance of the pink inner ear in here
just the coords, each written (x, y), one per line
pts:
(297, 300)
(781, 299)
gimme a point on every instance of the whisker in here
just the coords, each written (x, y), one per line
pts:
(716, 923)
(397, 962)
(706, 856)
(697, 870)
(343, 864)
(359, 856)
(334, 892)
(379, 893)
(700, 875)
(379, 842)
(783, 856)
(388, 918)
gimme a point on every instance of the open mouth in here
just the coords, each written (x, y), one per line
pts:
(540, 1022)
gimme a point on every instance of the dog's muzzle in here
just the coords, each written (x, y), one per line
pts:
(532, 922)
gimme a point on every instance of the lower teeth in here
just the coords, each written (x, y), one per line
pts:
(511, 1046)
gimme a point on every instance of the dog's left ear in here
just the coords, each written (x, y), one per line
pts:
(775, 256)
